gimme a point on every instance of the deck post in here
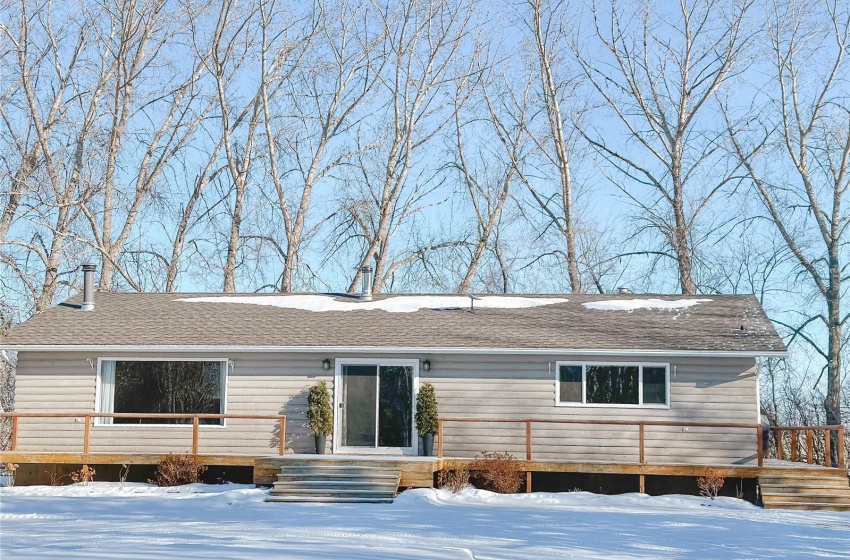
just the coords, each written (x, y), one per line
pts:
(86, 433)
(642, 479)
(15, 420)
(827, 448)
(195, 424)
(440, 438)
(528, 454)
(777, 434)
(841, 447)
(794, 444)
(641, 428)
(809, 446)
(760, 445)
(281, 444)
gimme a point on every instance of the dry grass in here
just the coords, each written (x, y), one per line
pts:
(84, 475)
(710, 484)
(496, 472)
(454, 480)
(176, 470)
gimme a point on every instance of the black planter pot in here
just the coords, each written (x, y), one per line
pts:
(320, 444)
(428, 445)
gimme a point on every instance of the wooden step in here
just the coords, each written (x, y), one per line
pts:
(804, 488)
(812, 498)
(808, 506)
(813, 490)
(838, 481)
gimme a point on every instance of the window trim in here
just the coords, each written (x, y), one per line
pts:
(225, 372)
(585, 404)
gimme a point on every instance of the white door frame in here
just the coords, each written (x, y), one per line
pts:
(378, 362)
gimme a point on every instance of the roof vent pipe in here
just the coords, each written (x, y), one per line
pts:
(366, 283)
(623, 290)
(88, 287)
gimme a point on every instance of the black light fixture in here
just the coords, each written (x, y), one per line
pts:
(326, 364)
(426, 365)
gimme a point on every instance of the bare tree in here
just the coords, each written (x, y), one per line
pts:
(548, 25)
(797, 156)
(422, 49)
(657, 76)
(336, 79)
(63, 158)
(140, 43)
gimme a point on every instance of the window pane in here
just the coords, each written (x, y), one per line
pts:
(168, 388)
(569, 383)
(612, 384)
(655, 385)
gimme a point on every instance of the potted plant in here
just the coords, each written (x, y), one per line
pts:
(426, 417)
(320, 414)
(7, 475)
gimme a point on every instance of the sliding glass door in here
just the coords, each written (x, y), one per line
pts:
(374, 404)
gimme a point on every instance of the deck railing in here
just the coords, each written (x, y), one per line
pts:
(757, 430)
(530, 422)
(88, 420)
(821, 433)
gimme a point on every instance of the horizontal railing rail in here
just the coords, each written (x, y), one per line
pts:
(794, 431)
(88, 418)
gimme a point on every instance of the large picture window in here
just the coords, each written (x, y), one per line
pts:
(162, 387)
(613, 384)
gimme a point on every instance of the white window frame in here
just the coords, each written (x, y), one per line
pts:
(100, 421)
(585, 404)
(337, 446)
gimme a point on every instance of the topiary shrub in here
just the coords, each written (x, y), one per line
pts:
(426, 410)
(176, 470)
(320, 412)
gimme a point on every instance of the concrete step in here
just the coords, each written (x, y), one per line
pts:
(323, 481)
(337, 476)
(341, 492)
(323, 500)
(325, 486)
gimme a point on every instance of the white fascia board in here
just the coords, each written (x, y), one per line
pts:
(402, 350)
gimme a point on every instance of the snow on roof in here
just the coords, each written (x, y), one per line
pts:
(394, 304)
(644, 303)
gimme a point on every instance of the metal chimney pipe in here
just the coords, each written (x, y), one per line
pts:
(88, 287)
(366, 283)
(623, 290)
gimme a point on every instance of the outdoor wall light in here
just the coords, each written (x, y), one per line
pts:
(326, 364)
(426, 365)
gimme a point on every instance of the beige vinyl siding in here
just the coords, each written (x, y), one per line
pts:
(704, 390)
(256, 384)
(470, 386)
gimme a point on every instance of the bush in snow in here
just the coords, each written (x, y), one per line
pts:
(710, 484)
(176, 470)
(453, 479)
(496, 472)
(84, 475)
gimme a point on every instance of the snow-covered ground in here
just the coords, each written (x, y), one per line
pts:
(103, 520)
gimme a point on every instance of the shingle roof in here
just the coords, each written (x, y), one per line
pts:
(724, 324)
